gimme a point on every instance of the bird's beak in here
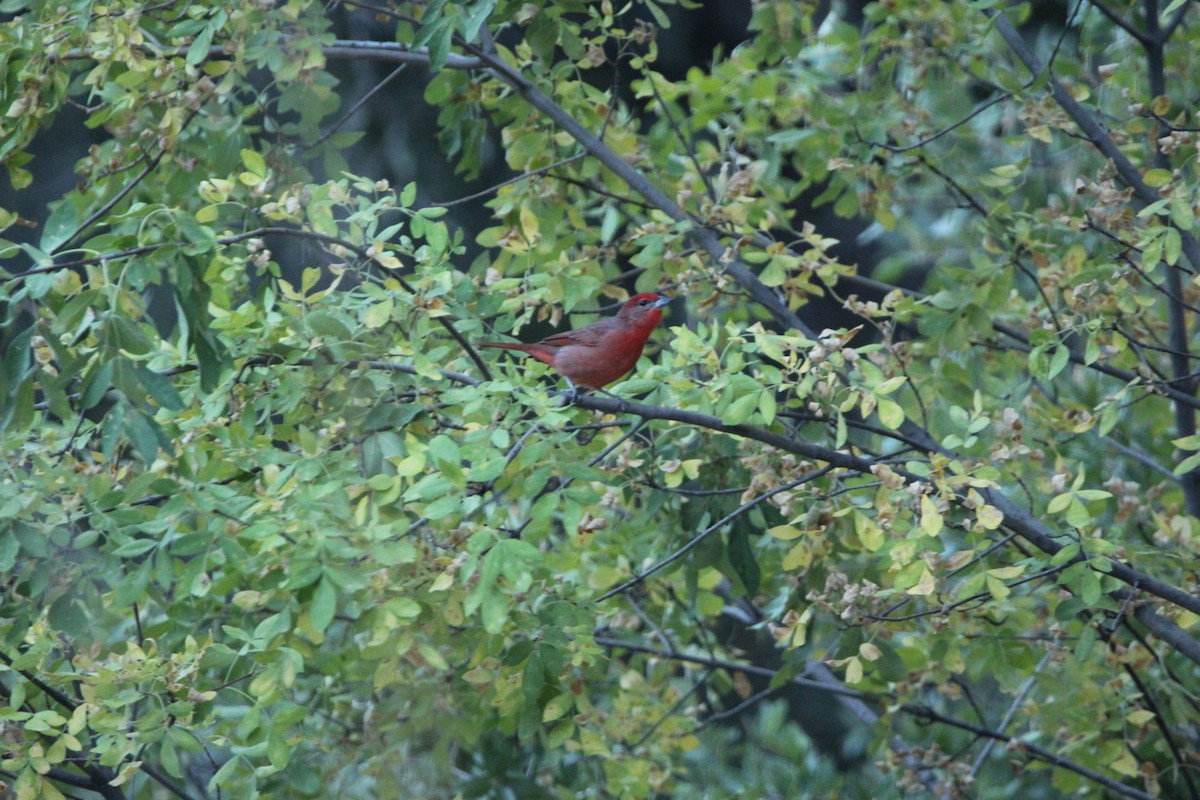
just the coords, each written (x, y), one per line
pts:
(662, 301)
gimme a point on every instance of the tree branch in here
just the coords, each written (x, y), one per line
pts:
(1016, 518)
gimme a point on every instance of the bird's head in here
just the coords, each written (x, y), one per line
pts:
(645, 308)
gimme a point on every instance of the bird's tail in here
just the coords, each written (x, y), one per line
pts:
(538, 350)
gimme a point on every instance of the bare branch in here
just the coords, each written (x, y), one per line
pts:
(979, 109)
(1120, 22)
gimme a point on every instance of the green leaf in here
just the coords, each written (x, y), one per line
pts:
(160, 388)
(169, 758)
(143, 432)
(740, 409)
(741, 558)
(1067, 553)
(273, 626)
(1191, 442)
(9, 547)
(60, 226)
(1059, 503)
(439, 44)
(135, 548)
(1157, 177)
(533, 679)
(1060, 359)
(1188, 464)
(891, 414)
(254, 162)
(324, 605)
(200, 46)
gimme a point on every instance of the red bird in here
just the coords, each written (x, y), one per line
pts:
(597, 354)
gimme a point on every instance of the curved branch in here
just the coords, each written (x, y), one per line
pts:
(933, 137)
(341, 48)
(695, 540)
(1120, 22)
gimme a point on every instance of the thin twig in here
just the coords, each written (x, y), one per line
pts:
(698, 538)
(670, 712)
(1120, 22)
(686, 141)
(354, 108)
(1017, 702)
(515, 179)
(979, 109)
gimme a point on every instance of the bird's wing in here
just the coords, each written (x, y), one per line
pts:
(587, 336)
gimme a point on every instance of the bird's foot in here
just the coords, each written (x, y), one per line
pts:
(570, 395)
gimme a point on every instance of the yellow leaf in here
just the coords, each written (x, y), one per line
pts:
(411, 465)
(128, 771)
(958, 559)
(785, 532)
(388, 261)
(798, 557)
(557, 707)
(931, 520)
(869, 533)
(49, 790)
(989, 517)
(478, 676)
(854, 671)
(954, 660)
(1125, 764)
(529, 223)
(378, 314)
(432, 656)
(1073, 260)
(1041, 133)
(1139, 717)
(925, 584)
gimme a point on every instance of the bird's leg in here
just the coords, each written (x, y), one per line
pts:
(570, 395)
